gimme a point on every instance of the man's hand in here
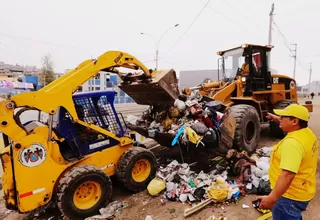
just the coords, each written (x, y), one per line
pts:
(273, 117)
(267, 202)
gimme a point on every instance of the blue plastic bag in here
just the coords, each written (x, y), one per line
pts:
(180, 131)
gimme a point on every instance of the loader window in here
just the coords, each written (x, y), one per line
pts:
(232, 60)
(230, 69)
(256, 60)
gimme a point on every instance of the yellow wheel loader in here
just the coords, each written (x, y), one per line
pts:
(250, 91)
(69, 158)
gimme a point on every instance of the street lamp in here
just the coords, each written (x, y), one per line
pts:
(158, 42)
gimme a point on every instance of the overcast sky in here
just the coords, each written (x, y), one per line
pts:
(74, 30)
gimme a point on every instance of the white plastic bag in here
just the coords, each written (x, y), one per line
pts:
(180, 105)
(265, 177)
(263, 164)
(170, 186)
(257, 171)
(266, 151)
(255, 181)
(183, 197)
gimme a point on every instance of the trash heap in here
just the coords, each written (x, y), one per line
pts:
(259, 174)
(109, 211)
(200, 116)
(235, 175)
(184, 185)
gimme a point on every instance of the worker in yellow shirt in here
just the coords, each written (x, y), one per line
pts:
(245, 67)
(293, 165)
(245, 70)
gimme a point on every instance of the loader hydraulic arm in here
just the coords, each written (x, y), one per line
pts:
(205, 87)
(59, 92)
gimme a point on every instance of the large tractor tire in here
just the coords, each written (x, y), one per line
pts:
(136, 168)
(275, 130)
(82, 191)
(247, 132)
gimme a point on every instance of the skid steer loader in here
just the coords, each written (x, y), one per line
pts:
(68, 159)
(250, 91)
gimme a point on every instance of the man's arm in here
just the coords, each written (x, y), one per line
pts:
(282, 184)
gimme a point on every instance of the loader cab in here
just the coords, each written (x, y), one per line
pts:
(251, 62)
(93, 108)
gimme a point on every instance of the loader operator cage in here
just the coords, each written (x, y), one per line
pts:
(97, 108)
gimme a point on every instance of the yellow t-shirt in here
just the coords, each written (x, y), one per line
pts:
(298, 153)
(245, 69)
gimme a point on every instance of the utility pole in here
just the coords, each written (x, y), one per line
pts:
(157, 57)
(158, 42)
(310, 72)
(270, 24)
(295, 60)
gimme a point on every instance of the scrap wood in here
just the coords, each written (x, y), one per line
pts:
(197, 207)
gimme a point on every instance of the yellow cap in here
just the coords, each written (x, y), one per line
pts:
(294, 110)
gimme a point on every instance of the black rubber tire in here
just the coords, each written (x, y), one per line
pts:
(126, 164)
(138, 144)
(71, 180)
(247, 120)
(275, 130)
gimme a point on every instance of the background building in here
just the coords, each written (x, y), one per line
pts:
(107, 81)
(191, 78)
(308, 89)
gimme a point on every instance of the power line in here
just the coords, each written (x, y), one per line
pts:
(187, 28)
(302, 66)
(40, 41)
(226, 17)
(244, 16)
(217, 12)
(229, 19)
(284, 38)
(287, 45)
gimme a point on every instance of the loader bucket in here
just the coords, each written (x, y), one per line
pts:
(162, 90)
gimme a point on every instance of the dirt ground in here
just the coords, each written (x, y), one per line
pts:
(142, 204)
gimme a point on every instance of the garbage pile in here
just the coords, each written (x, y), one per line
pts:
(185, 185)
(201, 118)
(259, 174)
(109, 211)
(236, 175)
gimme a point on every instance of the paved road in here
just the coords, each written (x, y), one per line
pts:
(130, 109)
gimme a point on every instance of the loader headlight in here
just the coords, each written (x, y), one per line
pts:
(108, 77)
(243, 79)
